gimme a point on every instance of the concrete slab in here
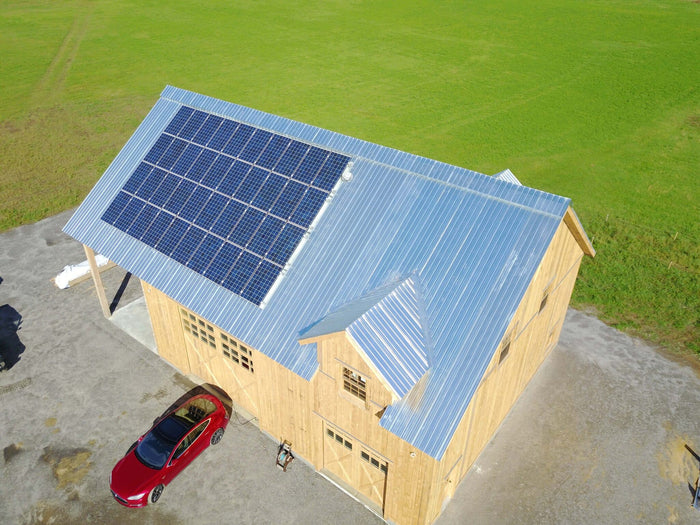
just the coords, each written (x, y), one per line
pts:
(602, 435)
(133, 318)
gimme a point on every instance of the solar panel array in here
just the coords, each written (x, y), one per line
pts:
(228, 200)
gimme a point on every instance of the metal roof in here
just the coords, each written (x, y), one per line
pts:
(389, 326)
(471, 241)
(508, 176)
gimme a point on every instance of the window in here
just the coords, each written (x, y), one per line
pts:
(375, 461)
(189, 439)
(232, 349)
(506, 342)
(237, 352)
(198, 327)
(355, 383)
(545, 294)
(339, 438)
(505, 348)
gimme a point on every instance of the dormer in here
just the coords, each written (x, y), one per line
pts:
(386, 342)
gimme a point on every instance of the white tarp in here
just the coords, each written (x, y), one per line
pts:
(74, 271)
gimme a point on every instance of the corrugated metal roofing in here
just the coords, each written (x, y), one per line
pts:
(507, 175)
(389, 326)
(472, 241)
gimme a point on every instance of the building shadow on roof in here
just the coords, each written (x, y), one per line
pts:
(11, 348)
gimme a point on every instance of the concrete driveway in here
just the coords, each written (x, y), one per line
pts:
(603, 434)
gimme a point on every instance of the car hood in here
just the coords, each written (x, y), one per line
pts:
(131, 477)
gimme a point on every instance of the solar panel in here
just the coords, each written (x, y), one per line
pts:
(228, 200)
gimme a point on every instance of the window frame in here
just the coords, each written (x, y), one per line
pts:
(355, 383)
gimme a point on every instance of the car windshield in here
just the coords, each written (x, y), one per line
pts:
(155, 448)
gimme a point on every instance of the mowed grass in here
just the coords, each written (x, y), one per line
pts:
(595, 100)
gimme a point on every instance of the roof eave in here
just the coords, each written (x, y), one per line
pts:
(576, 229)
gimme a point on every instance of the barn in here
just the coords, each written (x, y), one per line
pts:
(379, 311)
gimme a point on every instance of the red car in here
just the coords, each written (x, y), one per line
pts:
(165, 450)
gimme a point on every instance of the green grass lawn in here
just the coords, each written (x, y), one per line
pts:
(595, 100)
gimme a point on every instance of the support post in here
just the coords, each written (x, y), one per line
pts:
(97, 279)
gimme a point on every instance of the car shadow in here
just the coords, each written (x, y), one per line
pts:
(11, 348)
(206, 388)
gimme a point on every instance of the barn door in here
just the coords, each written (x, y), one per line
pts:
(373, 472)
(200, 342)
(338, 456)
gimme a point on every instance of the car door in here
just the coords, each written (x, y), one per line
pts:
(188, 449)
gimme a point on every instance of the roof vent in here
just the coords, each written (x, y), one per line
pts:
(347, 175)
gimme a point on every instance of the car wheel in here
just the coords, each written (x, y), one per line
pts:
(156, 492)
(216, 436)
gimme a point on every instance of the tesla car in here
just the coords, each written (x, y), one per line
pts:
(166, 449)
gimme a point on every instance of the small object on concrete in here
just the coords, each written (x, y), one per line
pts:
(284, 455)
(696, 500)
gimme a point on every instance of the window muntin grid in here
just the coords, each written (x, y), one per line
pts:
(198, 328)
(237, 352)
(231, 348)
(355, 383)
(373, 460)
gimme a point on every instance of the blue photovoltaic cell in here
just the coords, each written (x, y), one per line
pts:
(228, 200)
(156, 152)
(137, 178)
(285, 244)
(311, 165)
(262, 280)
(273, 152)
(112, 212)
(331, 172)
(240, 138)
(194, 204)
(291, 158)
(309, 206)
(223, 262)
(173, 153)
(242, 271)
(228, 219)
(171, 237)
(192, 151)
(158, 227)
(272, 187)
(288, 200)
(131, 210)
(188, 244)
(246, 227)
(217, 171)
(211, 211)
(205, 253)
(164, 190)
(223, 135)
(150, 185)
(266, 235)
(189, 130)
(251, 185)
(201, 165)
(255, 145)
(179, 120)
(233, 178)
(206, 132)
(142, 222)
(179, 197)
